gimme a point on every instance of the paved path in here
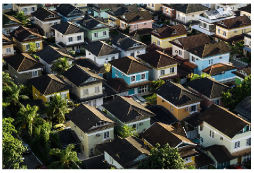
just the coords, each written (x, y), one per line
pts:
(30, 161)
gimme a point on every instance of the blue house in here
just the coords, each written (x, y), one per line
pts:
(69, 12)
(209, 54)
(131, 73)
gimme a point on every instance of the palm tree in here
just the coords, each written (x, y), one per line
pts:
(67, 157)
(7, 80)
(57, 108)
(28, 116)
(61, 65)
(22, 18)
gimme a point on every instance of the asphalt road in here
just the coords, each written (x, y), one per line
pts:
(30, 161)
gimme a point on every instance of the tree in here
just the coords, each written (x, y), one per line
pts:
(152, 99)
(197, 76)
(61, 65)
(127, 29)
(22, 18)
(7, 80)
(32, 47)
(12, 147)
(57, 108)
(236, 49)
(156, 84)
(66, 157)
(163, 158)
(127, 131)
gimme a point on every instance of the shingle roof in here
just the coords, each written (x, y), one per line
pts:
(23, 62)
(118, 84)
(68, 136)
(7, 18)
(21, 33)
(51, 84)
(65, 9)
(158, 59)
(193, 119)
(91, 23)
(219, 68)
(188, 151)
(242, 73)
(136, 16)
(127, 110)
(118, 11)
(6, 38)
(246, 8)
(50, 53)
(208, 87)
(106, 6)
(96, 162)
(88, 63)
(190, 8)
(235, 22)
(203, 160)
(100, 48)
(220, 153)
(177, 94)
(43, 13)
(243, 109)
(169, 31)
(223, 120)
(129, 65)
(67, 28)
(86, 117)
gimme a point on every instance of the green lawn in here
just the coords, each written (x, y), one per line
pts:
(247, 60)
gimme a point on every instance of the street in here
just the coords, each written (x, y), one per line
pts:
(30, 161)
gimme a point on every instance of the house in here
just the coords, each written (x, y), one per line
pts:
(126, 111)
(82, 7)
(221, 72)
(44, 19)
(124, 153)
(127, 45)
(178, 100)
(51, 7)
(187, 14)
(245, 11)
(95, 29)
(52, 84)
(162, 36)
(230, 30)
(7, 46)
(190, 124)
(26, 8)
(91, 126)
(22, 36)
(208, 54)
(69, 36)
(96, 162)
(225, 135)
(162, 65)
(211, 6)
(134, 73)
(101, 52)
(234, 7)
(175, 137)
(68, 136)
(241, 74)
(209, 89)
(169, 12)
(7, 7)
(50, 54)
(136, 21)
(180, 46)
(68, 12)
(100, 10)
(88, 63)
(154, 7)
(86, 86)
(22, 67)
(10, 23)
(247, 45)
(208, 19)
(243, 109)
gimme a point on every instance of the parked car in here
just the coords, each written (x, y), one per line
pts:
(28, 149)
(59, 127)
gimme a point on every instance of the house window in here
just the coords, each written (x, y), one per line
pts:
(79, 37)
(8, 50)
(152, 5)
(135, 126)
(211, 134)
(33, 8)
(104, 33)
(95, 34)
(27, 47)
(162, 72)
(192, 59)
(70, 39)
(158, 42)
(132, 54)
(246, 158)
(217, 102)
(180, 52)
(34, 73)
(55, 23)
(235, 31)
(224, 33)
(106, 135)
(133, 78)
(172, 70)
(248, 142)
(219, 31)
(142, 89)
(85, 92)
(201, 140)
(97, 89)
(237, 144)
(143, 76)
(37, 45)
(64, 95)
(193, 108)
(122, 25)
(25, 10)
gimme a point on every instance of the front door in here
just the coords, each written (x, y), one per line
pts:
(239, 161)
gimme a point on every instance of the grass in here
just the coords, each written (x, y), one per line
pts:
(247, 60)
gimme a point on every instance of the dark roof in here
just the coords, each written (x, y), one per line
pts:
(188, 151)
(65, 9)
(193, 119)
(118, 84)
(246, 8)
(86, 117)
(96, 162)
(191, 41)
(210, 49)
(136, 16)
(51, 84)
(208, 87)
(223, 120)
(169, 31)
(190, 8)
(43, 14)
(100, 48)
(171, 135)
(88, 63)
(6, 40)
(91, 23)
(243, 72)
(127, 110)
(23, 62)
(235, 22)
(243, 109)
(220, 153)
(129, 65)
(78, 75)
(158, 59)
(217, 69)
(124, 151)
(67, 28)
(106, 6)
(203, 160)
(7, 18)
(177, 94)
(68, 136)
(21, 33)
(50, 53)
(121, 10)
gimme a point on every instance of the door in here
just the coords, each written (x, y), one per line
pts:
(239, 160)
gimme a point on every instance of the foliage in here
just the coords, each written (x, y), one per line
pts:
(163, 158)
(127, 29)
(32, 47)
(61, 65)
(7, 80)
(197, 76)
(234, 96)
(152, 99)
(107, 67)
(12, 148)
(36, 57)
(83, 50)
(166, 22)
(127, 131)
(156, 84)
(72, 53)
(22, 18)
(236, 49)
(191, 167)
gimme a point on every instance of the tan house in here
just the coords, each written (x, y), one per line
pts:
(7, 46)
(26, 8)
(154, 7)
(245, 11)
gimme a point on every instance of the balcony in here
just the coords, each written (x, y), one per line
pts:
(198, 28)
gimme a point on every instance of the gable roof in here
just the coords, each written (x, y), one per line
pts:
(243, 109)
(190, 8)
(23, 62)
(136, 16)
(86, 117)
(127, 110)
(7, 18)
(208, 87)
(65, 9)
(51, 53)
(91, 23)
(21, 33)
(191, 41)
(158, 59)
(220, 153)
(78, 75)
(51, 84)
(176, 94)
(42, 14)
(246, 8)
(121, 10)
(88, 63)
(223, 120)
(129, 65)
(68, 136)
(100, 48)
(210, 49)
(67, 28)
(217, 69)
(242, 73)
(193, 119)
(118, 84)
(169, 31)
(235, 22)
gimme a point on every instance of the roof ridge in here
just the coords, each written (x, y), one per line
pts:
(48, 85)
(21, 62)
(67, 28)
(100, 49)
(129, 67)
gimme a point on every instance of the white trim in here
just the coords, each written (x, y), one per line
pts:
(27, 71)
(137, 122)
(28, 43)
(89, 134)
(191, 54)
(65, 92)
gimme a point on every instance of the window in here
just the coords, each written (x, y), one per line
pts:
(64, 95)
(237, 144)
(162, 72)
(246, 158)
(201, 127)
(85, 92)
(152, 5)
(37, 45)
(97, 89)
(193, 108)
(27, 47)
(224, 33)
(180, 52)
(142, 89)
(235, 31)
(158, 42)
(201, 140)
(113, 58)
(204, 25)
(172, 70)
(33, 8)
(95, 34)
(104, 33)
(55, 23)
(192, 59)
(248, 142)
(79, 37)
(34, 73)
(217, 102)
(70, 39)
(25, 10)
(8, 50)
(132, 54)
(219, 31)
(209, 62)
(211, 134)
(133, 78)
(122, 25)
(143, 76)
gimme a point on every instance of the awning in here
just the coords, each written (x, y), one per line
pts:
(247, 49)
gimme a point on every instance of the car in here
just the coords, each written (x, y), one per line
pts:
(59, 127)
(28, 149)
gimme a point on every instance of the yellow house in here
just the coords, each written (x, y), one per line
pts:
(245, 11)
(178, 100)
(162, 36)
(44, 87)
(230, 29)
(154, 7)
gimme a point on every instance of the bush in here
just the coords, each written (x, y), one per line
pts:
(83, 50)
(72, 53)
(152, 99)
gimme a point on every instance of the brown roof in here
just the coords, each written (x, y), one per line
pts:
(137, 16)
(219, 68)
(235, 22)
(220, 153)
(188, 151)
(189, 65)
(6, 38)
(243, 72)
(169, 31)
(21, 33)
